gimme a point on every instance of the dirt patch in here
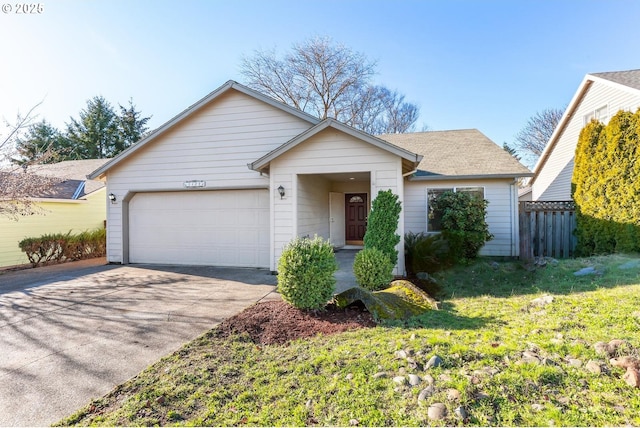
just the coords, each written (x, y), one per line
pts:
(278, 322)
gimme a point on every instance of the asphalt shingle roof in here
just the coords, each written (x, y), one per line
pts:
(630, 78)
(72, 173)
(466, 152)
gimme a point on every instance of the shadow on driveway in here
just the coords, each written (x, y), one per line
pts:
(70, 333)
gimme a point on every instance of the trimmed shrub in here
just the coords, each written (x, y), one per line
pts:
(373, 269)
(426, 253)
(306, 273)
(383, 223)
(61, 247)
(463, 223)
(606, 185)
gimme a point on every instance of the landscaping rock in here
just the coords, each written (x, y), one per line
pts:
(400, 380)
(349, 376)
(414, 380)
(601, 348)
(632, 377)
(429, 379)
(354, 422)
(594, 367)
(617, 346)
(380, 375)
(453, 394)
(494, 265)
(586, 271)
(574, 362)
(626, 362)
(401, 354)
(437, 411)
(542, 301)
(461, 413)
(426, 393)
(434, 361)
(537, 407)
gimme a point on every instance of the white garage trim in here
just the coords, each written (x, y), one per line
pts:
(203, 227)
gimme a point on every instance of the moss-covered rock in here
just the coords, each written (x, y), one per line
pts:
(402, 300)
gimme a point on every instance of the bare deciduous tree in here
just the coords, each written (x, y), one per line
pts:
(330, 81)
(19, 184)
(532, 139)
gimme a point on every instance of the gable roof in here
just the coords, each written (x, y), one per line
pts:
(629, 78)
(410, 159)
(198, 105)
(628, 81)
(457, 154)
(72, 171)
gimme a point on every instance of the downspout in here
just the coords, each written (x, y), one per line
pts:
(514, 219)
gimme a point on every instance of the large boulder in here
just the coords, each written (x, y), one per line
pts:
(401, 300)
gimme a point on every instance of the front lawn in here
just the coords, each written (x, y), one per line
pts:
(516, 345)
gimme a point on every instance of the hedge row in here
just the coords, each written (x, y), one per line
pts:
(606, 186)
(62, 247)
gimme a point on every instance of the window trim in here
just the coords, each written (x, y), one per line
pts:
(445, 188)
(596, 114)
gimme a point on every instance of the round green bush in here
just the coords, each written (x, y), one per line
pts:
(373, 269)
(305, 273)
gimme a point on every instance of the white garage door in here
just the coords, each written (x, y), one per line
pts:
(217, 228)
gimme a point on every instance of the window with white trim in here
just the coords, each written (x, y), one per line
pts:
(600, 114)
(434, 222)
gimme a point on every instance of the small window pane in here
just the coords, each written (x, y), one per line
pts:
(434, 220)
(356, 199)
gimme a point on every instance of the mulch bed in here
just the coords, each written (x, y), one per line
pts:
(278, 322)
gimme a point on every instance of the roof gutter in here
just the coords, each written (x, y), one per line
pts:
(469, 177)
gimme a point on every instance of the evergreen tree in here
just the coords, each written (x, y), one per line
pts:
(94, 135)
(43, 143)
(131, 127)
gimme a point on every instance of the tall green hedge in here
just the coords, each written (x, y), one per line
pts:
(606, 186)
(383, 223)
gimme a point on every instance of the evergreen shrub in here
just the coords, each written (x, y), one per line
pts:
(606, 186)
(62, 247)
(306, 273)
(373, 269)
(383, 223)
(464, 223)
(425, 253)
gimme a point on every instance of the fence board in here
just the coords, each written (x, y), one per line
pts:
(546, 229)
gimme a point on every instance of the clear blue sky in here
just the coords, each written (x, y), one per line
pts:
(468, 64)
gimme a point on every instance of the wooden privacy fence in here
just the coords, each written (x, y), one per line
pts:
(546, 229)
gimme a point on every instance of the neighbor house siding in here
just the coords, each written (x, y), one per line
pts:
(214, 144)
(55, 217)
(553, 181)
(329, 151)
(501, 217)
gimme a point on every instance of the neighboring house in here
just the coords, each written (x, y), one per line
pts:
(236, 176)
(75, 204)
(600, 96)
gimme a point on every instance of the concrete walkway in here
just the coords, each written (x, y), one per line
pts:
(72, 332)
(345, 278)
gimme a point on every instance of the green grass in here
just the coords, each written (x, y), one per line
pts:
(485, 323)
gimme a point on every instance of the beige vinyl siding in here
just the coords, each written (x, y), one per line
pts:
(554, 179)
(214, 144)
(329, 151)
(313, 206)
(56, 217)
(500, 211)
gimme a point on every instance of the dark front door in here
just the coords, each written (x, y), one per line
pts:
(355, 217)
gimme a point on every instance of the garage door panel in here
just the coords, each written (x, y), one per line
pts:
(223, 228)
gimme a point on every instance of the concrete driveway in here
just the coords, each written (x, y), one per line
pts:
(72, 332)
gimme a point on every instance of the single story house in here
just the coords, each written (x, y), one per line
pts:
(74, 204)
(600, 96)
(237, 175)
